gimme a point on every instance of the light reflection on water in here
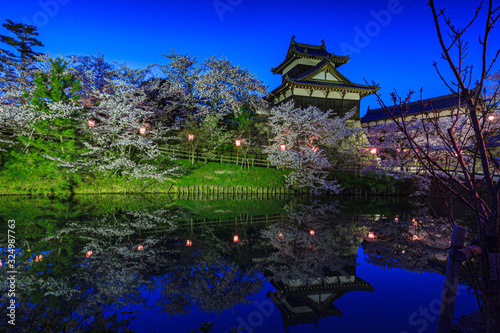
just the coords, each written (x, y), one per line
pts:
(258, 265)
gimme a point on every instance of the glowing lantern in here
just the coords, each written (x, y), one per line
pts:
(373, 151)
(238, 143)
(140, 248)
(236, 239)
(190, 137)
(491, 118)
(371, 235)
(280, 235)
(414, 221)
(311, 232)
(415, 237)
(89, 253)
(396, 219)
(142, 130)
(91, 122)
(189, 243)
(38, 258)
(282, 147)
(1, 263)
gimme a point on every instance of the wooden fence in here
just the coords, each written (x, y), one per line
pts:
(254, 159)
(220, 192)
(245, 160)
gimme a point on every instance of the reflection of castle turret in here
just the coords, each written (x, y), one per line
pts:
(307, 301)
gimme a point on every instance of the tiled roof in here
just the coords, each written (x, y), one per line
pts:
(308, 50)
(436, 103)
(312, 50)
(333, 84)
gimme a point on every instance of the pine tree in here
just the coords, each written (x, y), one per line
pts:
(54, 102)
(15, 63)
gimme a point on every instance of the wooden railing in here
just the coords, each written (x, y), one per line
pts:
(257, 160)
(245, 160)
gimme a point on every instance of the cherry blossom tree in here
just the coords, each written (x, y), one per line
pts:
(224, 88)
(470, 169)
(117, 134)
(120, 139)
(208, 93)
(213, 87)
(394, 152)
(300, 139)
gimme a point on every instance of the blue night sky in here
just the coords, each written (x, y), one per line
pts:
(392, 42)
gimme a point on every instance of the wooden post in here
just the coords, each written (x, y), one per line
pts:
(449, 294)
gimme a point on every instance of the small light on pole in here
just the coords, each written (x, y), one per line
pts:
(311, 232)
(89, 253)
(142, 130)
(283, 147)
(91, 122)
(237, 143)
(373, 151)
(491, 117)
(140, 248)
(371, 235)
(236, 239)
(190, 137)
(189, 243)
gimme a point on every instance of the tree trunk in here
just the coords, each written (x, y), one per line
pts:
(493, 313)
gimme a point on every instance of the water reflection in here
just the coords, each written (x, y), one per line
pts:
(410, 244)
(314, 262)
(96, 258)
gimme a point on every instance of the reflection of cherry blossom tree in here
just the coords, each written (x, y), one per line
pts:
(114, 273)
(208, 278)
(308, 245)
(409, 245)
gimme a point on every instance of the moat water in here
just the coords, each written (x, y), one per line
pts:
(154, 263)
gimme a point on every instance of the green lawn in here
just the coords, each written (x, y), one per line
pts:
(43, 179)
